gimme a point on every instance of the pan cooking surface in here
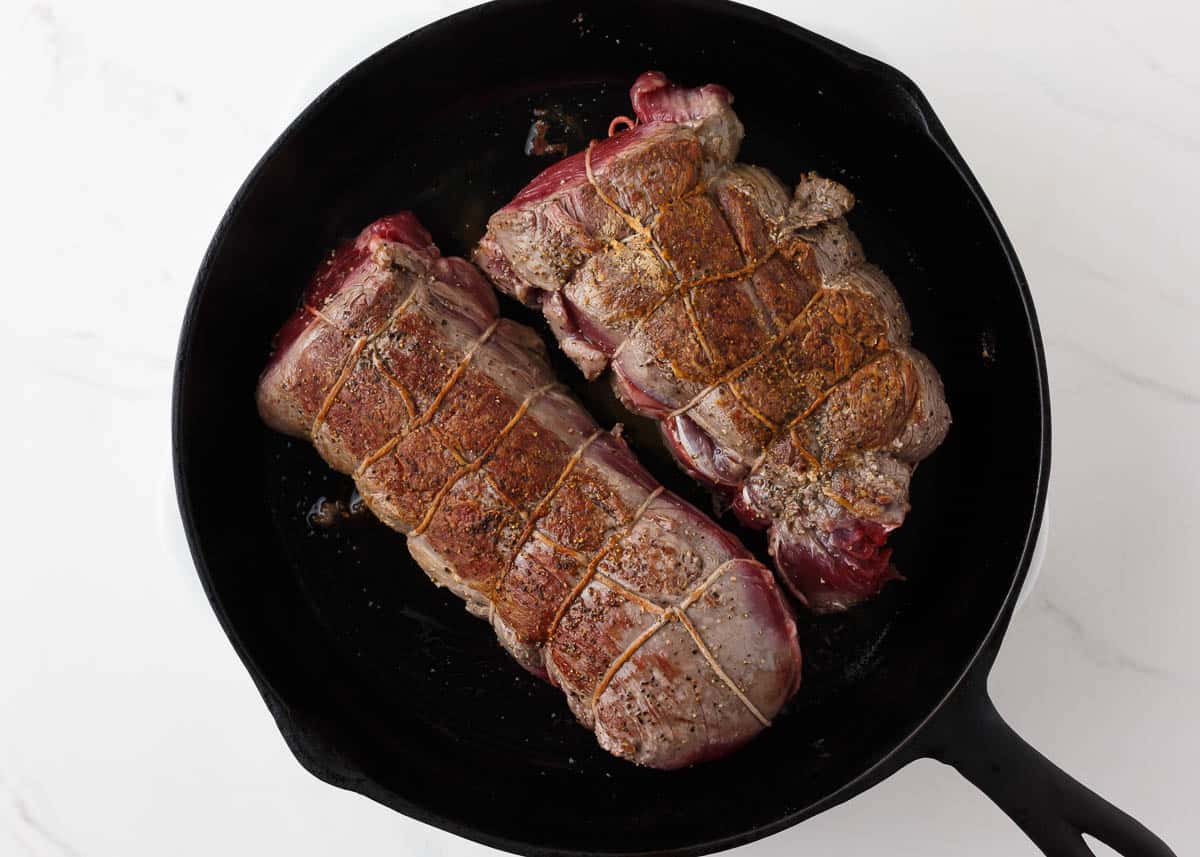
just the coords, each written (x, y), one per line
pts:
(357, 579)
(383, 683)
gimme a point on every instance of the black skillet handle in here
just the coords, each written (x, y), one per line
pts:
(1051, 807)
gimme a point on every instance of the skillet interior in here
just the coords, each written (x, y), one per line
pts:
(382, 683)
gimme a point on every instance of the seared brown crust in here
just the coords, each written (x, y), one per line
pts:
(456, 434)
(734, 311)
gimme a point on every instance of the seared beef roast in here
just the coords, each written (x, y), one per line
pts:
(668, 638)
(743, 317)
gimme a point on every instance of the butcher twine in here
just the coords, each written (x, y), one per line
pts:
(728, 378)
(664, 616)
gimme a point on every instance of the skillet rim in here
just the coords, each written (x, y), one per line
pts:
(899, 754)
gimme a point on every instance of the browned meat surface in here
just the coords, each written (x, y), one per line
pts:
(742, 316)
(669, 640)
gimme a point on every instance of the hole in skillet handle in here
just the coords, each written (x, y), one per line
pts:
(1053, 808)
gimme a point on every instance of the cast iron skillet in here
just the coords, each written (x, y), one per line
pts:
(382, 684)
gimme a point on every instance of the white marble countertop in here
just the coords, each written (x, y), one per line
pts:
(127, 725)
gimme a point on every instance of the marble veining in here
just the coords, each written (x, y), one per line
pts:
(1147, 287)
(1116, 370)
(1100, 649)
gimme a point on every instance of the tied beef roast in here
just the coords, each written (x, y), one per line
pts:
(669, 640)
(743, 317)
